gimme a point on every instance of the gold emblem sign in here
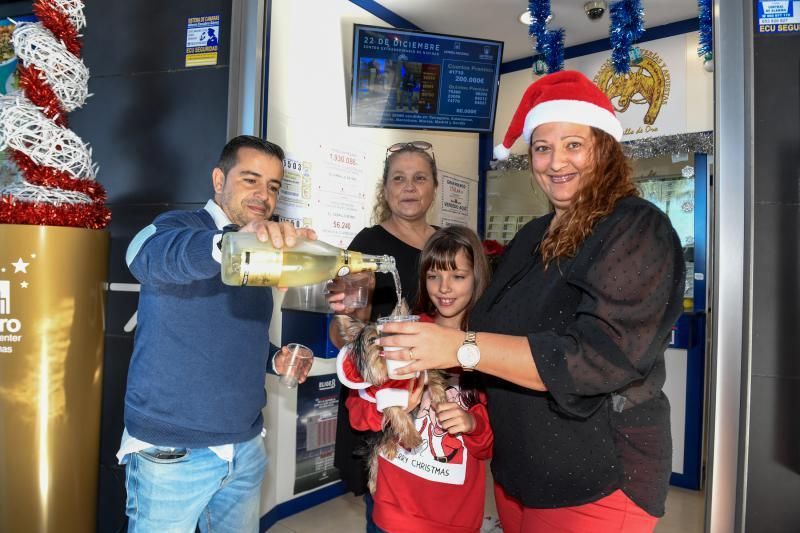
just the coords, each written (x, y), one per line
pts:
(647, 83)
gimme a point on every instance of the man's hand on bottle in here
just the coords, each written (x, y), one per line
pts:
(280, 234)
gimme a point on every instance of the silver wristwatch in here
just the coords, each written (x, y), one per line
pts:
(469, 355)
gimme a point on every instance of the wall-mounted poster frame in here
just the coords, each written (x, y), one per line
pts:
(416, 80)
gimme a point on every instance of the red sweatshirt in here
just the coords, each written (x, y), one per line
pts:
(438, 487)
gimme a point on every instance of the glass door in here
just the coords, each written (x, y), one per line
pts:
(678, 186)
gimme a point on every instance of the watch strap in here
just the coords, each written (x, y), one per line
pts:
(470, 338)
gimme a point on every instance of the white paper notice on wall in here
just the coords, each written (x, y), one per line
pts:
(294, 200)
(339, 196)
(324, 190)
(455, 199)
(778, 16)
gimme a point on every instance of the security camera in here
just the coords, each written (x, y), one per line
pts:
(595, 9)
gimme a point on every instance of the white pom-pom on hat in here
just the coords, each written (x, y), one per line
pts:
(501, 153)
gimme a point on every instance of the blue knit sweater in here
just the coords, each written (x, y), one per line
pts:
(196, 377)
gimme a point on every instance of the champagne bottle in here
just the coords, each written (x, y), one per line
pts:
(248, 261)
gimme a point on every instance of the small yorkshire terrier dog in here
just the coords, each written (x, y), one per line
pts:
(398, 425)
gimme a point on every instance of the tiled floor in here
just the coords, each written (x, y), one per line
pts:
(685, 514)
(342, 514)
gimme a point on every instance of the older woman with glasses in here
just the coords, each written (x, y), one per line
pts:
(404, 197)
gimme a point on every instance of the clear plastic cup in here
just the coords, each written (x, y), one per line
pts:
(392, 365)
(300, 360)
(310, 298)
(355, 288)
(356, 292)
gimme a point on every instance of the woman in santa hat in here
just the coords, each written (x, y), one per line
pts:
(572, 331)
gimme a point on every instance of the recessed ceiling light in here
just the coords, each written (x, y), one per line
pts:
(526, 19)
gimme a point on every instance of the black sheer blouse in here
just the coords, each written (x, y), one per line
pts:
(598, 326)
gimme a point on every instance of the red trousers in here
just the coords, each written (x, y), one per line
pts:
(616, 513)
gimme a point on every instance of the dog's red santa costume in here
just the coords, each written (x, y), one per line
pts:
(393, 393)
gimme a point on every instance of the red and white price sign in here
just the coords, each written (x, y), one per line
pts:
(340, 195)
(343, 158)
(342, 224)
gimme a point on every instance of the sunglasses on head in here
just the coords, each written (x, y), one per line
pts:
(423, 146)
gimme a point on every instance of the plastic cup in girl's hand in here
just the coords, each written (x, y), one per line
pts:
(391, 364)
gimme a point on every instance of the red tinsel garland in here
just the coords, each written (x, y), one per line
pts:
(92, 216)
(50, 177)
(83, 215)
(36, 88)
(59, 23)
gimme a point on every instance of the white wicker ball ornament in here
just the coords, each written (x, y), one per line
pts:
(27, 129)
(65, 73)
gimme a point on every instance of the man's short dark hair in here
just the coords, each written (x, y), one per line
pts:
(228, 157)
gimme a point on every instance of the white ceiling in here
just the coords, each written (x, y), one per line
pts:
(499, 19)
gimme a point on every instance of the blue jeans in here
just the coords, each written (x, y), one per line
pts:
(176, 494)
(369, 501)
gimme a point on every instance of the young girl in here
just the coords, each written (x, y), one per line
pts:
(439, 485)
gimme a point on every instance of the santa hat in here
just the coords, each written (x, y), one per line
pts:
(565, 96)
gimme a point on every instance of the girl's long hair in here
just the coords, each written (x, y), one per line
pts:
(381, 211)
(610, 180)
(439, 253)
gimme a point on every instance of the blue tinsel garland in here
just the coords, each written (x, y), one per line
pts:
(553, 50)
(706, 36)
(627, 25)
(549, 43)
(540, 12)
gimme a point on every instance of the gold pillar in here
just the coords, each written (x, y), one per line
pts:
(52, 303)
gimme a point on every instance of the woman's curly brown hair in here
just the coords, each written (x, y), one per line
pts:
(610, 181)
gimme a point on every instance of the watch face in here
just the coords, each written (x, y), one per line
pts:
(469, 355)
